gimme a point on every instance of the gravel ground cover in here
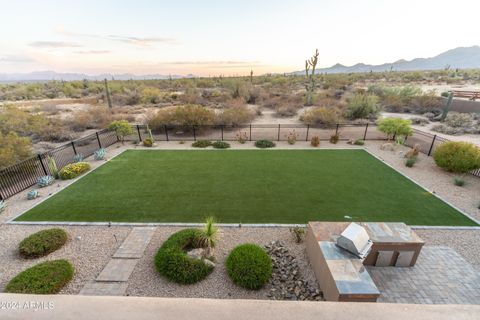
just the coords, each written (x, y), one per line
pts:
(145, 280)
(88, 249)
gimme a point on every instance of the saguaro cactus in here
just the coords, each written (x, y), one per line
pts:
(107, 92)
(310, 84)
(447, 106)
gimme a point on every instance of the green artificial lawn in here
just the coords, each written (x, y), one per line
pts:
(247, 186)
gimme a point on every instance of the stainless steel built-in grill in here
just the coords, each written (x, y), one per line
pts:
(355, 240)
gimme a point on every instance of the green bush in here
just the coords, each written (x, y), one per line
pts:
(221, 145)
(73, 170)
(249, 266)
(173, 263)
(42, 243)
(202, 144)
(359, 142)
(264, 144)
(44, 278)
(395, 127)
(147, 142)
(363, 106)
(122, 128)
(460, 157)
(410, 162)
(459, 182)
(13, 149)
(321, 115)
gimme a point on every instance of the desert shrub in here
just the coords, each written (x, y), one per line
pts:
(460, 157)
(122, 128)
(284, 105)
(221, 145)
(459, 120)
(186, 116)
(334, 138)
(235, 115)
(202, 144)
(172, 262)
(459, 182)
(321, 115)
(419, 121)
(286, 110)
(249, 266)
(264, 144)
(13, 149)
(410, 162)
(426, 101)
(299, 234)
(315, 141)
(359, 142)
(241, 137)
(363, 106)
(147, 142)
(395, 127)
(292, 137)
(42, 243)
(44, 278)
(73, 170)
(13, 119)
(442, 128)
(150, 95)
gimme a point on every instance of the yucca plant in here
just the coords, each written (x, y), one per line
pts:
(52, 166)
(208, 237)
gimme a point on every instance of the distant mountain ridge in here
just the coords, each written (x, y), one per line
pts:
(461, 57)
(52, 75)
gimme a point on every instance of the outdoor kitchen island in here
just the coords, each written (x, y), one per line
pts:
(341, 271)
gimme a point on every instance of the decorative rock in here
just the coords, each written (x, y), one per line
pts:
(78, 238)
(198, 253)
(287, 282)
(209, 263)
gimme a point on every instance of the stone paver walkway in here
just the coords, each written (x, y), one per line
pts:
(112, 281)
(440, 276)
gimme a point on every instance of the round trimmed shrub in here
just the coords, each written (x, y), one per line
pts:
(264, 144)
(73, 170)
(249, 266)
(221, 145)
(456, 156)
(42, 243)
(173, 263)
(44, 278)
(202, 144)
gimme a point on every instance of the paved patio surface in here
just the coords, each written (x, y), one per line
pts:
(441, 276)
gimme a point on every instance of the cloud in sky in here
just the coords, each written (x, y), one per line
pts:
(54, 44)
(15, 59)
(92, 51)
(134, 40)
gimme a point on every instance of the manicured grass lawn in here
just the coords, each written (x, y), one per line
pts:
(248, 186)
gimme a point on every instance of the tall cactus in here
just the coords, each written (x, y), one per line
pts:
(310, 84)
(107, 92)
(251, 76)
(447, 106)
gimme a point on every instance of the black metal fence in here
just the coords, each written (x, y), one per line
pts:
(24, 174)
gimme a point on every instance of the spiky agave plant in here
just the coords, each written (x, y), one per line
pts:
(208, 237)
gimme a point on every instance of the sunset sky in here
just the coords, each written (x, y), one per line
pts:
(211, 37)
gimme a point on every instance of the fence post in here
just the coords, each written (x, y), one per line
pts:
(278, 135)
(139, 135)
(41, 162)
(98, 140)
(336, 130)
(431, 146)
(166, 132)
(365, 134)
(250, 137)
(194, 135)
(308, 128)
(75, 150)
(222, 130)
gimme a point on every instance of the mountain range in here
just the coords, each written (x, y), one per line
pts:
(461, 57)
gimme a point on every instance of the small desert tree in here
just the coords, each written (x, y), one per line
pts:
(457, 156)
(122, 128)
(395, 127)
(310, 84)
